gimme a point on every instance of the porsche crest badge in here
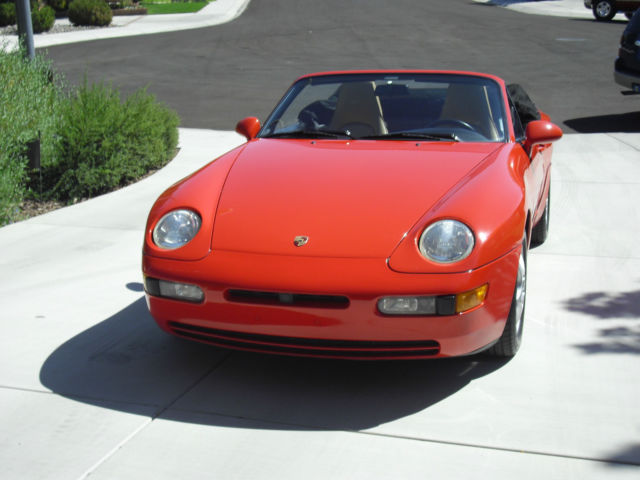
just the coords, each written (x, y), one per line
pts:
(300, 240)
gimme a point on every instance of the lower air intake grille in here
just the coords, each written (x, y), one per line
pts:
(354, 349)
(293, 299)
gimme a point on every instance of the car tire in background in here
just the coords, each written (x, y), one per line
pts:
(509, 342)
(603, 10)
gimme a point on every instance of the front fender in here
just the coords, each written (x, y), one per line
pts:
(199, 192)
(491, 200)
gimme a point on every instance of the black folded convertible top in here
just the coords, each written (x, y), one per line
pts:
(525, 107)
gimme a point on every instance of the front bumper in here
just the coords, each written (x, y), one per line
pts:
(627, 78)
(327, 307)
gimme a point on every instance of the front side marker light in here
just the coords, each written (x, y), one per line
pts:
(440, 305)
(467, 300)
(418, 305)
(407, 305)
(174, 290)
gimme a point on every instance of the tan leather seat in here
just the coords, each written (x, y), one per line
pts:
(358, 110)
(470, 104)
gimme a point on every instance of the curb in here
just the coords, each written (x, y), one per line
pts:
(551, 8)
(216, 13)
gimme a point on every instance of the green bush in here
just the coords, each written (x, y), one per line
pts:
(91, 142)
(105, 143)
(7, 14)
(90, 12)
(43, 19)
(29, 101)
(58, 5)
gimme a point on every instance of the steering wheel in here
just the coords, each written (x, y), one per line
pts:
(452, 122)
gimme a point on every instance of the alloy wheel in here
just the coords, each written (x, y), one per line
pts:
(521, 292)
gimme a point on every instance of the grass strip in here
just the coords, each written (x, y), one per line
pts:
(178, 7)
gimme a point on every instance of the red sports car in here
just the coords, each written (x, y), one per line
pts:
(374, 215)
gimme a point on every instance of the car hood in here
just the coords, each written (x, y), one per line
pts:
(348, 198)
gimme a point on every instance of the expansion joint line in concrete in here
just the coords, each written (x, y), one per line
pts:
(509, 450)
(623, 142)
(149, 421)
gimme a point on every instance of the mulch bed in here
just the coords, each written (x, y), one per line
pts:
(33, 208)
(62, 28)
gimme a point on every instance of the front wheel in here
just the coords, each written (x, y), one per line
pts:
(511, 338)
(603, 10)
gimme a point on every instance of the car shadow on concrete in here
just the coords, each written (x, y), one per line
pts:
(620, 338)
(615, 123)
(619, 19)
(126, 363)
(629, 455)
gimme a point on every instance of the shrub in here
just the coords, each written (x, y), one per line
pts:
(90, 12)
(7, 14)
(29, 100)
(43, 19)
(58, 5)
(105, 143)
(90, 141)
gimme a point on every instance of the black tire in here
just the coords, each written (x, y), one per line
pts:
(603, 10)
(511, 339)
(540, 231)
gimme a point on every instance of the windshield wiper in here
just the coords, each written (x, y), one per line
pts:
(413, 136)
(309, 134)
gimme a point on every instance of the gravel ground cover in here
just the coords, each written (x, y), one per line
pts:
(58, 27)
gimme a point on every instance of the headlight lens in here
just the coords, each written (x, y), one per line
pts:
(446, 241)
(176, 229)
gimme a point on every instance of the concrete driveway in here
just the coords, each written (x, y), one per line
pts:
(91, 387)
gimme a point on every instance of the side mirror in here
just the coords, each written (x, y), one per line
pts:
(248, 127)
(540, 132)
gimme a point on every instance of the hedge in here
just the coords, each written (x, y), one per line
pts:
(91, 140)
(90, 12)
(29, 102)
(105, 143)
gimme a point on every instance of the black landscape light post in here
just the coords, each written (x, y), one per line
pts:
(25, 28)
(25, 34)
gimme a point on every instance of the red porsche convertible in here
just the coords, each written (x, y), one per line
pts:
(374, 215)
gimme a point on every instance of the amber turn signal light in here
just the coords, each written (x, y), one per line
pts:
(467, 300)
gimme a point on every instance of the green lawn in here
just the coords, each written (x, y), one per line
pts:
(157, 8)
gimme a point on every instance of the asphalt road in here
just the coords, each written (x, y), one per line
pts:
(215, 76)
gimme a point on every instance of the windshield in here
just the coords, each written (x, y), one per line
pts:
(446, 107)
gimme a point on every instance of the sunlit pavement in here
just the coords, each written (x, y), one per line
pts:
(90, 386)
(556, 8)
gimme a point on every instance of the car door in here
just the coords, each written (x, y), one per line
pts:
(536, 176)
